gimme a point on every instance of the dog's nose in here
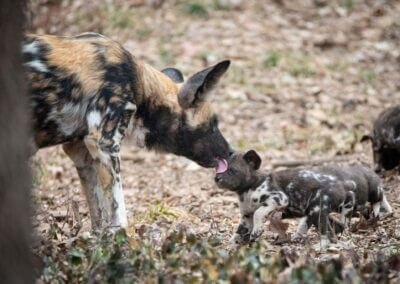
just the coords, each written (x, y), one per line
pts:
(217, 178)
(231, 152)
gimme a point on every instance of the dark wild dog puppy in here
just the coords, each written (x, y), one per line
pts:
(88, 93)
(385, 138)
(366, 186)
(298, 192)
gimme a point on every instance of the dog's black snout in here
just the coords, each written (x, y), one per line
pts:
(231, 152)
(217, 178)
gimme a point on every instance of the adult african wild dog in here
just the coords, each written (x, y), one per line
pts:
(88, 92)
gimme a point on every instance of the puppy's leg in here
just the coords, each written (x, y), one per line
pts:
(276, 200)
(302, 229)
(386, 205)
(319, 216)
(103, 143)
(379, 201)
(85, 166)
(347, 208)
(244, 229)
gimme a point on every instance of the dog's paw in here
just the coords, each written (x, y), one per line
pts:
(255, 234)
(297, 238)
(238, 239)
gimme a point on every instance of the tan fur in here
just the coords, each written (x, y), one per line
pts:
(199, 115)
(159, 88)
(82, 64)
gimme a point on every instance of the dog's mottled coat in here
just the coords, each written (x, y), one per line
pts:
(88, 93)
(310, 193)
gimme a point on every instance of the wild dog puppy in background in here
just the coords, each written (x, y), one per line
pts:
(385, 138)
(298, 192)
(88, 93)
(366, 187)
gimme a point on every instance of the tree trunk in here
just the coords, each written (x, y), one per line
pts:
(15, 180)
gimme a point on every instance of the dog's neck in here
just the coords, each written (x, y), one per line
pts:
(157, 88)
(256, 180)
(158, 115)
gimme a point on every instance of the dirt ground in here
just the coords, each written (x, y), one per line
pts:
(306, 80)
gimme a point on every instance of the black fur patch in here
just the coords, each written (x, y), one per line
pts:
(264, 197)
(242, 230)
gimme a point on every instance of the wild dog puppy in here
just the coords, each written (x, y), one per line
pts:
(366, 187)
(88, 92)
(298, 192)
(385, 138)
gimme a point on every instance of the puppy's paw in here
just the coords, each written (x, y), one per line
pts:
(238, 239)
(323, 244)
(255, 234)
(235, 240)
(298, 238)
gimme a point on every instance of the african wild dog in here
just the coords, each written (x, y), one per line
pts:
(298, 192)
(88, 93)
(310, 193)
(385, 138)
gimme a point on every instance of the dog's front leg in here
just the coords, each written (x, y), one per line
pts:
(103, 143)
(276, 200)
(244, 229)
(259, 218)
(85, 166)
(110, 196)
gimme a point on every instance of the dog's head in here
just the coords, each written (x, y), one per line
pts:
(385, 139)
(385, 149)
(198, 137)
(241, 173)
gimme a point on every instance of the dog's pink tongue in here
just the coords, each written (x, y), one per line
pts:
(222, 166)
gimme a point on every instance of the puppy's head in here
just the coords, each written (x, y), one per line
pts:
(385, 149)
(241, 173)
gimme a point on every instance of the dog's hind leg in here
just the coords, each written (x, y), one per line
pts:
(85, 166)
(103, 142)
(386, 204)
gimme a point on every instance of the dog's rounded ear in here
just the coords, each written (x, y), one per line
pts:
(366, 138)
(174, 74)
(253, 159)
(196, 88)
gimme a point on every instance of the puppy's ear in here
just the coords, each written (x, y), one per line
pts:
(366, 138)
(253, 159)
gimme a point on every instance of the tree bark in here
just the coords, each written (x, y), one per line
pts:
(15, 179)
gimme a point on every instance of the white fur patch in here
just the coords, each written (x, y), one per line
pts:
(94, 119)
(117, 136)
(69, 118)
(37, 65)
(302, 228)
(130, 106)
(386, 204)
(120, 212)
(376, 208)
(316, 209)
(31, 47)
(317, 176)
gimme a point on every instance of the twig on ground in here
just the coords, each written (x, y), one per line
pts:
(295, 163)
